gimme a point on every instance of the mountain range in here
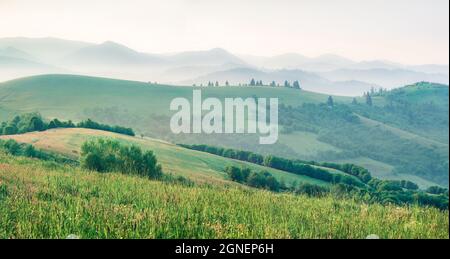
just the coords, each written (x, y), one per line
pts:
(331, 74)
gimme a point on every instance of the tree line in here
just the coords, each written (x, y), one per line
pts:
(358, 183)
(292, 166)
(254, 82)
(14, 148)
(34, 122)
(386, 192)
(265, 180)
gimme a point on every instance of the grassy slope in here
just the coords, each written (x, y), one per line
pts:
(54, 96)
(44, 200)
(404, 134)
(198, 166)
(49, 94)
(306, 143)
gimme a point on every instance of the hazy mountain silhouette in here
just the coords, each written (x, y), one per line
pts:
(327, 73)
(111, 54)
(47, 50)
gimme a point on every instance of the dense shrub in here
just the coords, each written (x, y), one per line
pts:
(437, 190)
(262, 180)
(312, 190)
(105, 155)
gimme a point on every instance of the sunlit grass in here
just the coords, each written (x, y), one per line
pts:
(46, 200)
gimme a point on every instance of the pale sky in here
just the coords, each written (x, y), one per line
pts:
(407, 31)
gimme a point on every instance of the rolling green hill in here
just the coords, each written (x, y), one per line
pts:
(404, 135)
(197, 166)
(49, 94)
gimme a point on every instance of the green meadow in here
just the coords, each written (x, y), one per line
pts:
(47, 200)
(198, 166)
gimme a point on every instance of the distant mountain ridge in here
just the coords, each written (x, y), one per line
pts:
(326, 73)
(111, 53)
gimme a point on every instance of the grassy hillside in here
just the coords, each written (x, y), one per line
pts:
(198, 166)
(49, 94)
(45, 200)
(412, 119)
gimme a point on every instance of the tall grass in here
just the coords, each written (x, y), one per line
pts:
(46, 200)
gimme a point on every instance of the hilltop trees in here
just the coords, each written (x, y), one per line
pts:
(330, 101)
(55, 123)
(89, 124)
(369, 99)
(36, 124)
(255, 82)
(22, 124)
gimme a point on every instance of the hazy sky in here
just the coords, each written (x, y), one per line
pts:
(408, 31)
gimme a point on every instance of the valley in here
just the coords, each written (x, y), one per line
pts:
(305, 133)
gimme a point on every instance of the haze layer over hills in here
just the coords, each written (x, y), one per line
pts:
(328, 73)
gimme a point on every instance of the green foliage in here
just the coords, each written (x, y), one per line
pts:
(330, 101)
(33, 122)
(3, 192)
(292, 166)
(342, 128)
(22, 124)
(42, 203)
(437, 190)
(55, 123)
(358, 184)
(360, 172)
(12, 147)
(421, 109)
(369, 101)
(311, 190)
(106, 155)
(261, 180)
(89, 124)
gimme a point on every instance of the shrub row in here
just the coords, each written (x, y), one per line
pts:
(34, 122)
